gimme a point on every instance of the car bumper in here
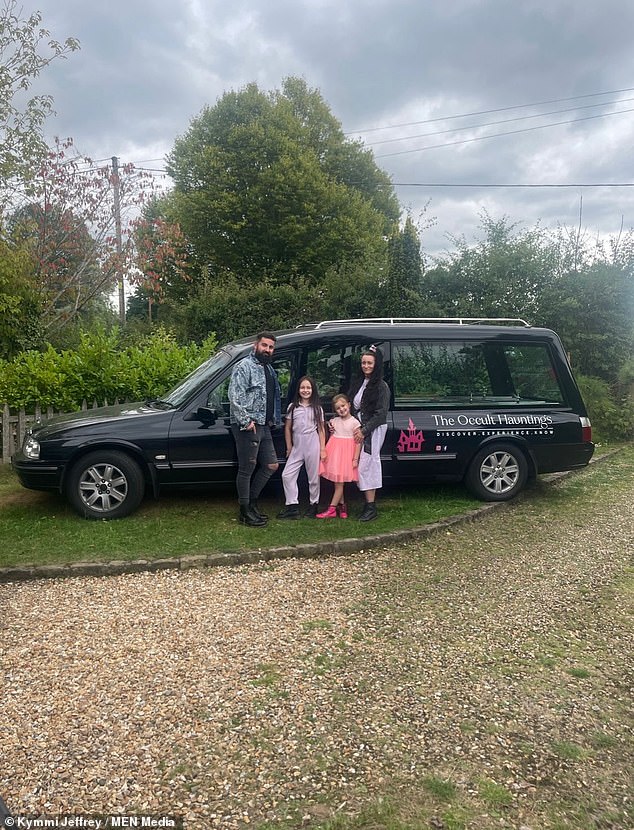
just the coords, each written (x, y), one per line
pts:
(37, 475)
(553, 459)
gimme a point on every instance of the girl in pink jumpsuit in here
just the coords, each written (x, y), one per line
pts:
(305, 446)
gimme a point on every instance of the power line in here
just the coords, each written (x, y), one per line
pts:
(502, 121)
(94, 168)
(499, 135)
(478, 185)
(491, 185)
(150, 169)
(490, 112)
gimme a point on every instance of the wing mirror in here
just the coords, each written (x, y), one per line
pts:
(204, 414)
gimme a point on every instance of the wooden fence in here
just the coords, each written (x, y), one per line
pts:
(13, 426)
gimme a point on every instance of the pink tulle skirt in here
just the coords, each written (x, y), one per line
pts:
(338, 464)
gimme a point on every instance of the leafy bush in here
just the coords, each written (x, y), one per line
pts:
(232, 309)
(612, 416)
(100, 369)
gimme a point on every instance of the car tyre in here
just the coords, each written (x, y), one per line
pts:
(497, 472)
(105, 484)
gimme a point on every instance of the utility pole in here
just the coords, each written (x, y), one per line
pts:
(117, 223)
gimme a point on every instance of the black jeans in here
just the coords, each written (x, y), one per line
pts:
(253, 448)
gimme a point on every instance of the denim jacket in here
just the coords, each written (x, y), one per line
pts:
(247, 393)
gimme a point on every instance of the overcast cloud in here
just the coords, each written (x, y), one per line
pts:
(147, 67)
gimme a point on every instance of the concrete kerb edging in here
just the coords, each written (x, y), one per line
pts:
(340, 547)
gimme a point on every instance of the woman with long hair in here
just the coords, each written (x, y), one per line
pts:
(370, 396)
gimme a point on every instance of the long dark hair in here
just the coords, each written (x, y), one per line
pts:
(313, 401)
(371, 394)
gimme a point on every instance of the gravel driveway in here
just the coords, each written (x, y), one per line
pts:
(495, 658)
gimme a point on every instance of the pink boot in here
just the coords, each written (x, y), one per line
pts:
(342, 510)
(331, 513)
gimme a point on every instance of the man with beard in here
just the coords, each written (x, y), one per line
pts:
(255, 399)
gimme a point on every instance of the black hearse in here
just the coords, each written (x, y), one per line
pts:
(490, 402)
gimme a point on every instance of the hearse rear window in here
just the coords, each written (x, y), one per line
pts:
(467, 374)
(532, 374)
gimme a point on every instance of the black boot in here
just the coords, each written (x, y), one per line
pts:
(253, 505)
(369, 512)
(311, 511)
(291, 511)
(249, 517)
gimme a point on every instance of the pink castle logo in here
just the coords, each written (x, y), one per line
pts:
(412, 440)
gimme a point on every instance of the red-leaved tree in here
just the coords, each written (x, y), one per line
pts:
(77, 218)
(162, 258)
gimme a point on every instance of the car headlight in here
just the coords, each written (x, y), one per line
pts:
(31, 448)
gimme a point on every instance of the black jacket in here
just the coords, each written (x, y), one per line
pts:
(375, 404)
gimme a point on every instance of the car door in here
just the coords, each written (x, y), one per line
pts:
(202, 449)
(334, 365)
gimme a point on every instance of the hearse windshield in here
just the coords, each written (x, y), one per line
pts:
(200, 376)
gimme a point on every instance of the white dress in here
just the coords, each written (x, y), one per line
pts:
(370, 471)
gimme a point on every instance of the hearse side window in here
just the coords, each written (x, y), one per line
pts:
(333, 367)
(330, 366)
(284, 366)
(532, 374)
(218, 397)
(439, 374)
(489, 374)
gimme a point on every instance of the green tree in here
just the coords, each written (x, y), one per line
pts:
(593, 312)
(405, 273)
(503, 275)
(68, 224)
(163, 264)
(267, 187)
(67, 273)
(582, 289)
(19, 302)
(231, 310)
(355, 289)
(26, 49)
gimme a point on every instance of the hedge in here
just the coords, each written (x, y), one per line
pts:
(101, 368)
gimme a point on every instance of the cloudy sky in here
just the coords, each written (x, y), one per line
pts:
(455, 97)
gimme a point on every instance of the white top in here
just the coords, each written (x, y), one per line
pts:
(357, 398)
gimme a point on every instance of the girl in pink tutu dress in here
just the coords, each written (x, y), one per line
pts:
(342, 456)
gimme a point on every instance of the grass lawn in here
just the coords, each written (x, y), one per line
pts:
(40, 528)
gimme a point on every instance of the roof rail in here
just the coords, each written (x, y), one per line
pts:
(392, 321)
